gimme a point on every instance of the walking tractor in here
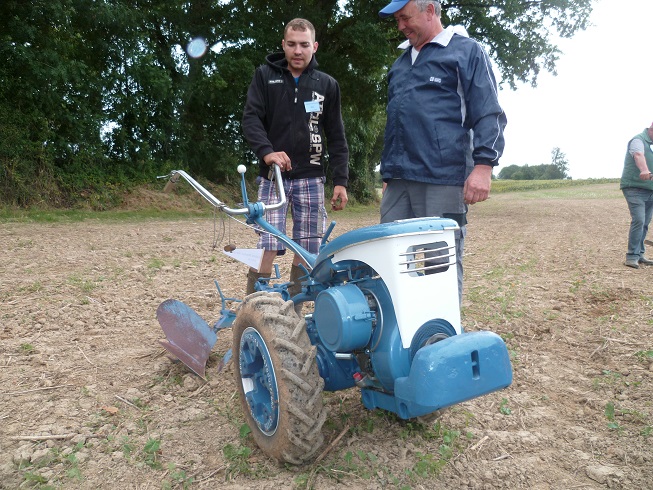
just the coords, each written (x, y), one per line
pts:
(385, 319)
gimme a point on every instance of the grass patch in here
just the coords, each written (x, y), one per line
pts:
(82, 215)
(155, 264)
(85, 285)
(644, 355)
(149, 202)
(504, 408)
(178, 478)
(503, 186)
(608, 378)
(68, 469)
(610, 415)
(26, 348)
(437, 444)
(237, 458)
(151, 452)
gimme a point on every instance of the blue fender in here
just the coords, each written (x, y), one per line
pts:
(450, 371)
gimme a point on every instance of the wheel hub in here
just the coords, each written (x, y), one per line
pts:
(259, 381)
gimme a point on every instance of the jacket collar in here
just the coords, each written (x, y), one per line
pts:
(646, 136)
(278, 62)
(443, 38)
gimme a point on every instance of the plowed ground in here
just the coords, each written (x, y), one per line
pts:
(88, 400)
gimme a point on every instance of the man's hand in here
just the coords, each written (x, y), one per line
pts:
(640, 161)
(279, 158)
(477, 185)
(339, 199)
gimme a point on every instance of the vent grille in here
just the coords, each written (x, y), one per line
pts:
(429, 258)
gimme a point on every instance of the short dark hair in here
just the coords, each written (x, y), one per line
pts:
(300, 25)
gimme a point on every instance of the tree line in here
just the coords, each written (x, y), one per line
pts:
(99, 95)
(556, 170)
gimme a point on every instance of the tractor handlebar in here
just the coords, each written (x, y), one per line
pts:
(215, 202)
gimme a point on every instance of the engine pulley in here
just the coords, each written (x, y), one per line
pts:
(343, 318)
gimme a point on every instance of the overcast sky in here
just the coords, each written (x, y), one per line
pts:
(602, 96)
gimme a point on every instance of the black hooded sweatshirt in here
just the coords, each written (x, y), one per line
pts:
(281, 115)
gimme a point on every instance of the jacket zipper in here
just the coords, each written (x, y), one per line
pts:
(294, 121)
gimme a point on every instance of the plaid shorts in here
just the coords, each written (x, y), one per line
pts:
(306, 199)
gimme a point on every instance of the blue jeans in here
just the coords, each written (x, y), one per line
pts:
(640, 205)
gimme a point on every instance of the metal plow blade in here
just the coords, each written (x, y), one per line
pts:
(189, 337)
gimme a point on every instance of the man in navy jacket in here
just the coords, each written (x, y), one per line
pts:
(444, 129)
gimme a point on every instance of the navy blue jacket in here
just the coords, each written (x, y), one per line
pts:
(276, 119)
(443, 114)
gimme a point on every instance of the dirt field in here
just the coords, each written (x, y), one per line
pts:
(88, 400)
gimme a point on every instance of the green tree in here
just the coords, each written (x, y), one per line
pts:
(508, 172)
(560, 163)
(557, 169)
(525, 173)
(519, 33)
(166, 106)
(101, 93)
(50, 97)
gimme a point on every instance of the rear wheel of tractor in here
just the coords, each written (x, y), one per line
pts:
(278, 379)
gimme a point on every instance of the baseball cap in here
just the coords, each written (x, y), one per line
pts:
(392, 7)
(395, 6)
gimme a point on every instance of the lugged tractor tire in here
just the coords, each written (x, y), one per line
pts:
(278, 379)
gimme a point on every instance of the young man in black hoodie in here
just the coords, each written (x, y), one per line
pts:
(292, 112)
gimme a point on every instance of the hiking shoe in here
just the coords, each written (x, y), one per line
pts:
(645, 261)
(632, 263)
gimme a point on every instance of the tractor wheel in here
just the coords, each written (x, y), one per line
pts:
(277, 377)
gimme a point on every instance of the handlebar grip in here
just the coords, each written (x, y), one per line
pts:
(280, 190)
(215, 202)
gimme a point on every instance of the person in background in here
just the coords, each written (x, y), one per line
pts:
(637, 187)
(444, 128)
(292, 112)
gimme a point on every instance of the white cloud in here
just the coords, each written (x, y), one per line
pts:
(601, 97)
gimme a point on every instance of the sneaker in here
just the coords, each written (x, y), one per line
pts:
(632, 263)
(645, 261)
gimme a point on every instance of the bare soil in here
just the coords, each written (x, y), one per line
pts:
(89, 400)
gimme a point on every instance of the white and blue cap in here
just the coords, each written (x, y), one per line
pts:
(392, 7)
(396, 6)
